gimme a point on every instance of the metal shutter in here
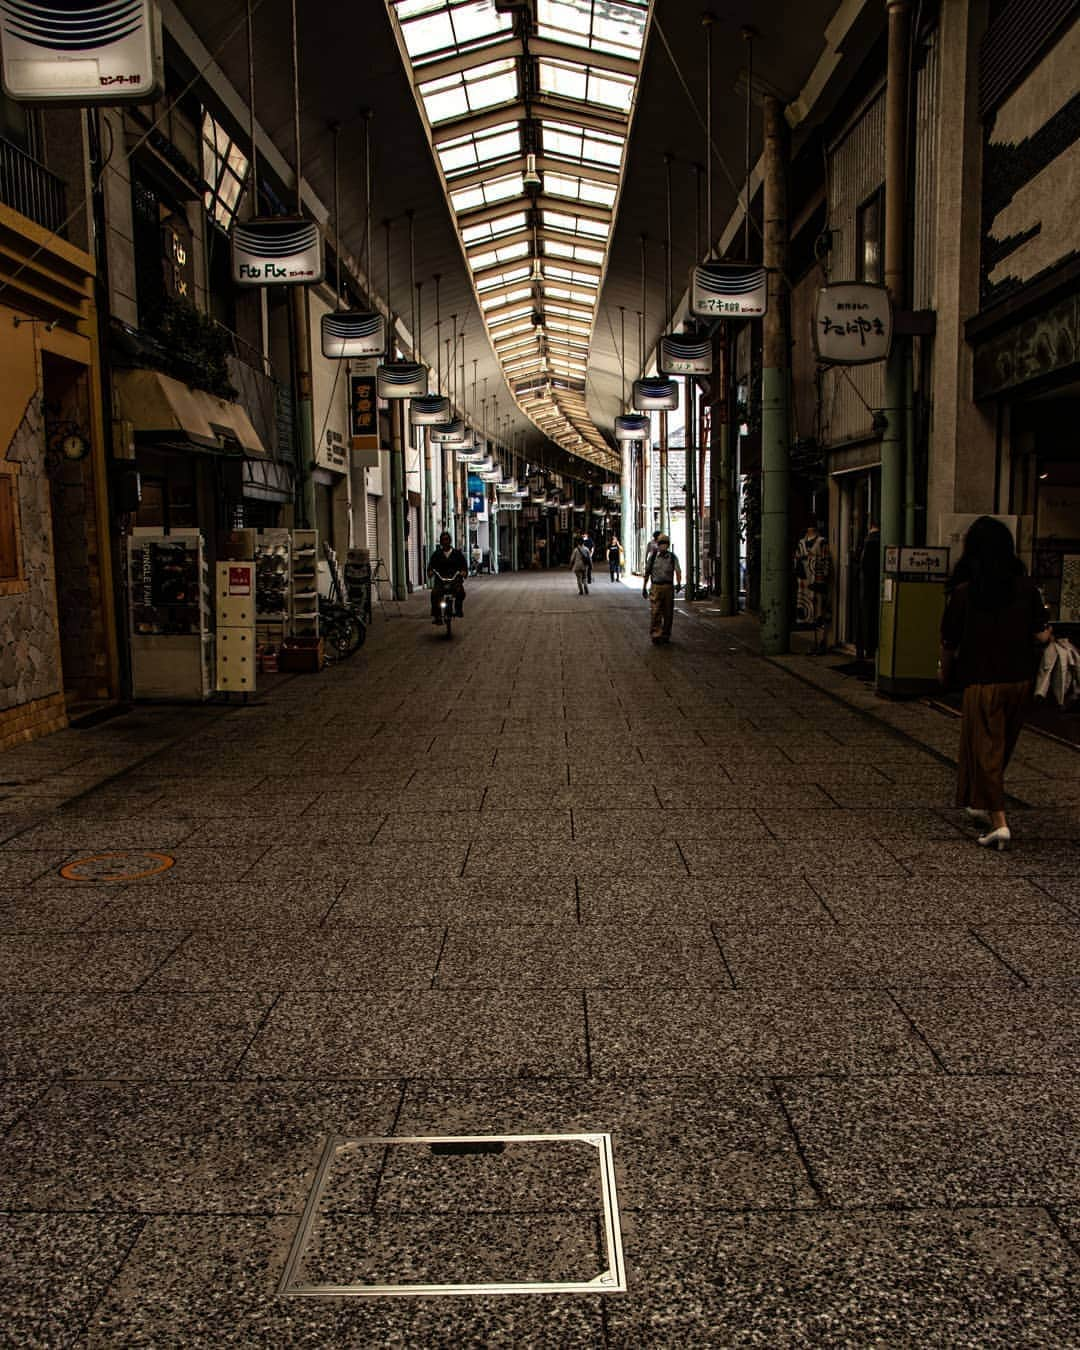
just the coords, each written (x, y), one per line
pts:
(373, 526)
(1015, 40)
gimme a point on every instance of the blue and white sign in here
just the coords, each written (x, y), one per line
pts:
(632, 427)
(722, 290)
(81, 51)
(655, 395)
(277, 251)
(429, 410)
(448, 433)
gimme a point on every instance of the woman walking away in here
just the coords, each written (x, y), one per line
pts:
(993, 622)
(614, 558)
(579, 565)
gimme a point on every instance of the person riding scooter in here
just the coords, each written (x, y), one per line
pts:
(448, 569)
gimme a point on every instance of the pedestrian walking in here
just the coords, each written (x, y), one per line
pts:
(994, 624)
(579, 565)
(664, 571)
(651, 546)
(587, 545)
(614, 558)
(813, 575)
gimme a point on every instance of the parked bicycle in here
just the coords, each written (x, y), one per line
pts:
(342, 627)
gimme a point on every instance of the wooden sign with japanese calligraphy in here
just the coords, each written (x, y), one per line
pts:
(853, 324)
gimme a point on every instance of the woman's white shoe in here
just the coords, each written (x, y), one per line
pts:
(999, 839)
(976, 817)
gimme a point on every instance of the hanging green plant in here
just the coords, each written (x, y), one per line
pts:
(195, 348)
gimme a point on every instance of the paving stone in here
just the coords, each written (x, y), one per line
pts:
(462, 901)
(592, 956)
(694, 1032)
(858, 857)
(51, 909)
(910, 1141)
(54, 1270)
(131, 1036)
(73, 962)
(607, 897)
(396, 957)
(860, 958)
(19, 868)
(17, 1096)
(973, 1278)
(1016, 1031)
(1044, 954)
(421, 1033)
(227, 905)
(935, 900)
(154, 1148)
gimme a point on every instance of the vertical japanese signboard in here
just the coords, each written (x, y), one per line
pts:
(363, 413)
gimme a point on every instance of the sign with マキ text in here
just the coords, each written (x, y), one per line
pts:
(723, 290)
(853, 323)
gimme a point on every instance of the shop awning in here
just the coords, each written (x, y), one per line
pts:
(165, 411)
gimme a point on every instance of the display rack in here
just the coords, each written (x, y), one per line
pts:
(304, 609)
(273, 587)
(169, 615)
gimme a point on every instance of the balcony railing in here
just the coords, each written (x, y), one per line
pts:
(29, 188)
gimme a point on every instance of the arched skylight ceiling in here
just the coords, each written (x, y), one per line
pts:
(500, 81)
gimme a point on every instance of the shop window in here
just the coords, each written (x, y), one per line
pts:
(870, 238)
(10, 562)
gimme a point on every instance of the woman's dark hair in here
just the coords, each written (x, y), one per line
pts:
(988, 564)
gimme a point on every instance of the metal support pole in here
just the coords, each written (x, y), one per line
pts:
(305, 415)
(775, 395)
(690, 498)
(893, 440)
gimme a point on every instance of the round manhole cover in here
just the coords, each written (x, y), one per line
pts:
(136, 866)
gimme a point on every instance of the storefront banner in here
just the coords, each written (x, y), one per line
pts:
(729, 291)
(685, 356)
(348, 334)
(277, 251)
(81, 52)
(363, 412)
(655, 395)
(402, 379)
(853, 323)
(611, 490)
(505, 505)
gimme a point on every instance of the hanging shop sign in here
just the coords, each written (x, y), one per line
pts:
(729, 291)
(477, 494)
(611, 490)
(429, 410)
(655, 395)
(363, 412)
(685, 356)
(507, 506)
(277, 251)
(402, 379)
(444, 433)
(631, 427)
(853, 323)
(917, 564)
(349, 334)
(81, 51)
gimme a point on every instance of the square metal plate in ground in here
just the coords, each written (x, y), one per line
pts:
(459, 1214)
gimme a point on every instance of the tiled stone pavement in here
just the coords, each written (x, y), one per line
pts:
(543, 878)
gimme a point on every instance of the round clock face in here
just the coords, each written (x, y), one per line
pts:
(74, 447)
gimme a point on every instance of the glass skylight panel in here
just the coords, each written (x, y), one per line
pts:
(562, 248)
(586, 84)
(579, 189)
(431, 27)
(559, 220)
(567, 293)
(496, 321)
(487, 193)
(605, 25)
(225, 170)
(581, 145)
(566, 275)
(503, 278)
(493, 229)
(495, 301)
(468, 152)
(469, 91)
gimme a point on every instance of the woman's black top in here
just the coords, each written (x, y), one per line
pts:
(995, 646)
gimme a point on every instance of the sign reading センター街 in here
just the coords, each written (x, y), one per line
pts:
(852, 323)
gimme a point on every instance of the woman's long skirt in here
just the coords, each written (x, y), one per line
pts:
(992, 716)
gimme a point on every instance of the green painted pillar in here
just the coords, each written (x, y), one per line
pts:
(776, 564)
(429, 503)
(397, 495)
(305, 416)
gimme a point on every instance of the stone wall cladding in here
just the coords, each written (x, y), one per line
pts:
(29, 643)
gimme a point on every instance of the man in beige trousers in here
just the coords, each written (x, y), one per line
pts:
(665, 573)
